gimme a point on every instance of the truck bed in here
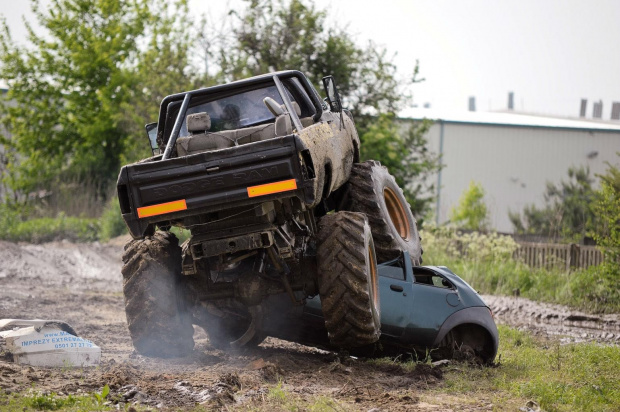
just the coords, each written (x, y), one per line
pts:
(164, 190)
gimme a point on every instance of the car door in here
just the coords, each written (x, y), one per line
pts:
(434, 299)
(396, 293)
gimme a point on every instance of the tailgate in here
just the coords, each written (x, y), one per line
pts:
(170, 189)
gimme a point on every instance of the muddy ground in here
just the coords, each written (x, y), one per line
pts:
(81, 284)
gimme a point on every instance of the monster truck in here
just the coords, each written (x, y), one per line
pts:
(267, 179)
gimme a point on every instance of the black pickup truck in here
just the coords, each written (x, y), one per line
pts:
(267, 178)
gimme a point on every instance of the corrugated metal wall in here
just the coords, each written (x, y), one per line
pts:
(513, 164)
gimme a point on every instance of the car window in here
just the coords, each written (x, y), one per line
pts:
(235, 111)
(432, 279)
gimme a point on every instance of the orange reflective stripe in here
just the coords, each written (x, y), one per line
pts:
(270, 188)
(162, 208)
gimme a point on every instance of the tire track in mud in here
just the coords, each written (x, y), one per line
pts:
(68, 272)
(550, 320)
(82, 284)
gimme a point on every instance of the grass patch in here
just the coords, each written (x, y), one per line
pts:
(584, 376)
(111, 222)
(280, 399)
(15, 228)
(18, 226)
(486, 263)
(37, 401)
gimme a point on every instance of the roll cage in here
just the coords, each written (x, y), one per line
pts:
(290, 83)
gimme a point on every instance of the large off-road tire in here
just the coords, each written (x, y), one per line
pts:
(222, 339)
(227, 331)
(159, 323)
(348, 280)
(373, 191)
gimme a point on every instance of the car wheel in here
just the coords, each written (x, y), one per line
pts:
(469, 343)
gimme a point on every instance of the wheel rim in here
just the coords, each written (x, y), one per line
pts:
(397, 213)
(374, 280)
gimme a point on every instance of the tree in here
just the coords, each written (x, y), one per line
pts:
(275, 35)
(607, 211)
(471, 212)
(84, 90)
(76, 87)
(403, 149)
(567, 212)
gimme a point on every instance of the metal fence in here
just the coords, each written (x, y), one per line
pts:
(550, 255)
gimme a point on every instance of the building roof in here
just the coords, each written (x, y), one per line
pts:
(511, 119)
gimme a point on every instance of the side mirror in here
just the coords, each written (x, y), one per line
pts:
(333, 98)
(151, 132)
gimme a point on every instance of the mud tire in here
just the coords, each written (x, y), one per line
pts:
(348, 280)
(223, 330)
(158, 321)
(222, 338)
(372, 190)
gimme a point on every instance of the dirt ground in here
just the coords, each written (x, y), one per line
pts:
(81, 284)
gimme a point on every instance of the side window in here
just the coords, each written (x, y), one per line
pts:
(429, 278)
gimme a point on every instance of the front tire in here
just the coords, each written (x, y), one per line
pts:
(348, 280)
(374, 192)
(159, 324)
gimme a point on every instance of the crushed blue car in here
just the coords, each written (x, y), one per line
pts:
(424, 309)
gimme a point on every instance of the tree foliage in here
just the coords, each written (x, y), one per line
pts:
(273, 35)
(607, 210)
(567, 213)
(471, 212)
(403, 149)
(75, 87)
(83, 89)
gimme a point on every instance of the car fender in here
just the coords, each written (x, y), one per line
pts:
(479, 315)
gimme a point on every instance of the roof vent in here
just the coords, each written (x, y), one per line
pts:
(583, 107)
(472, 104)
(615, 111)
(597, 112)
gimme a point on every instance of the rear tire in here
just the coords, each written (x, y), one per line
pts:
(227, 328)
(158, 321)
(348, 280)
(374, 192)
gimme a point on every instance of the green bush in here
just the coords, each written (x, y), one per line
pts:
(471, 212)
(14, 227)
(486, 262)
(111, 221)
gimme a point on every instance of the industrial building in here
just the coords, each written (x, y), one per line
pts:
(512, 155)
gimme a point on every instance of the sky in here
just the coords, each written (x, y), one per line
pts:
(549, 53)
